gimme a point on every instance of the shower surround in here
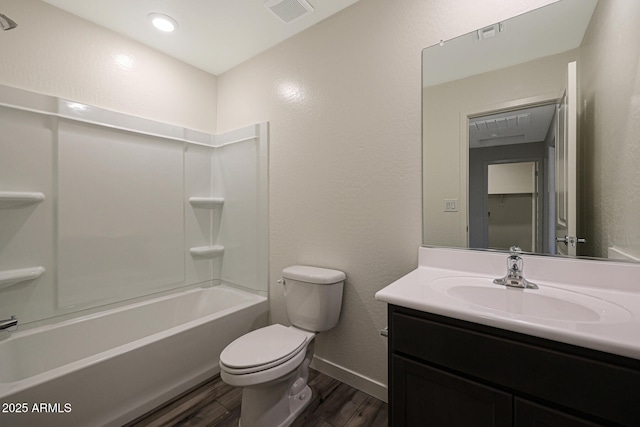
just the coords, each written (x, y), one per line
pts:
(103, 211)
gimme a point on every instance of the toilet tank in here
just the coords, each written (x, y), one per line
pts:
(313, 296)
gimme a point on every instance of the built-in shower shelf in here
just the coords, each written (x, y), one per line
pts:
(206, 202)
(13, 277)
(9, 199)
(207, 251)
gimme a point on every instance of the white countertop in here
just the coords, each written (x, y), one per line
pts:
(598, 302)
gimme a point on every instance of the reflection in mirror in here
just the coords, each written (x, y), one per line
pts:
(531, 133)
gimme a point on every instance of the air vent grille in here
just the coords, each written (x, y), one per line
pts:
(510, 122)
(289, 10)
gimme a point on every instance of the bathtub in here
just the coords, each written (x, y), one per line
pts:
(108, 368)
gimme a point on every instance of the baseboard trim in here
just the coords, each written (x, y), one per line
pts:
(367, 385)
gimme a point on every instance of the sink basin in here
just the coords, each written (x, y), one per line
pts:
(547, 303)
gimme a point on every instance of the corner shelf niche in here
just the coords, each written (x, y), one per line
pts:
(206, 251)
(206, 202)
(13, 277)
(9, 199)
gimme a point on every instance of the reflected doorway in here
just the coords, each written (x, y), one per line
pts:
(511, 183)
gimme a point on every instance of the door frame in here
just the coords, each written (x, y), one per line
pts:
(483, 110)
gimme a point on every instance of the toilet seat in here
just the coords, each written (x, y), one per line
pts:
(262, 349)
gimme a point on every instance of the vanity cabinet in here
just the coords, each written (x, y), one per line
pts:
(449, 372)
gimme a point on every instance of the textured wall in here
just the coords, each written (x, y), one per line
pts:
(343, 102)
(610, 129)
(59, 54)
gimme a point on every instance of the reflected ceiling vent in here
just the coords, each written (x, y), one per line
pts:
(509, 122)
(490, 31)
(289, 10)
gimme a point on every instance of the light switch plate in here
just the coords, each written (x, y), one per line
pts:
(451, 205)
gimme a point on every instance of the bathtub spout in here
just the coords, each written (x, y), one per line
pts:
(9, 323)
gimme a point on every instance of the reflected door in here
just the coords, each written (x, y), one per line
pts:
(566, 172)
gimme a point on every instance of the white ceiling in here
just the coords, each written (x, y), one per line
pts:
(213, 35)
(513, 127)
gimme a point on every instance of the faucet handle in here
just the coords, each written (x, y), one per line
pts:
(514, 261)
(515, 264)
(515, 267)
(9, 324)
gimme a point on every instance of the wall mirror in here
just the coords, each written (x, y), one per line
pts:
(531, 133)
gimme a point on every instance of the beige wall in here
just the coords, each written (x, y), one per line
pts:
(610, 129)
(343, 101)
(59, 54)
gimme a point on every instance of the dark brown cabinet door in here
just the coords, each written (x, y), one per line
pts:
(425, 396)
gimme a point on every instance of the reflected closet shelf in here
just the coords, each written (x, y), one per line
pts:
(207, 251)
(206, 202)
(9, 199)
(13, 277)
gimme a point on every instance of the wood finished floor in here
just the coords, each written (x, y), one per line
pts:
(216, 404)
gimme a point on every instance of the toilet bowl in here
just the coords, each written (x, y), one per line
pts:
(272, 363)
(269, 362)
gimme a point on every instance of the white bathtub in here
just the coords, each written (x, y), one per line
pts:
(110, 367)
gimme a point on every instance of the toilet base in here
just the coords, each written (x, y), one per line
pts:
(297, 404)
(277, 403)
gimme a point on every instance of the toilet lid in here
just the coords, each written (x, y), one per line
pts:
(263, 346)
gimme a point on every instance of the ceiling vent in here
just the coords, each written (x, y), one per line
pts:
(289, 10)
(490, 31)
(500, 123)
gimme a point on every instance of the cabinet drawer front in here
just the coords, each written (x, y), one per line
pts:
(529, 414)
(592, 387)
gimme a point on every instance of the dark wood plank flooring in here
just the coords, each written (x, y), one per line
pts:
(216, 404)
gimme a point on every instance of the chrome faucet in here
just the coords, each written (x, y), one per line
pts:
(514, 277)
(9, 323)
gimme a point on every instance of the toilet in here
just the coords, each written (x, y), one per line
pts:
(272, 363)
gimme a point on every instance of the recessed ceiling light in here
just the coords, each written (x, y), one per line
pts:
(163, 22)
